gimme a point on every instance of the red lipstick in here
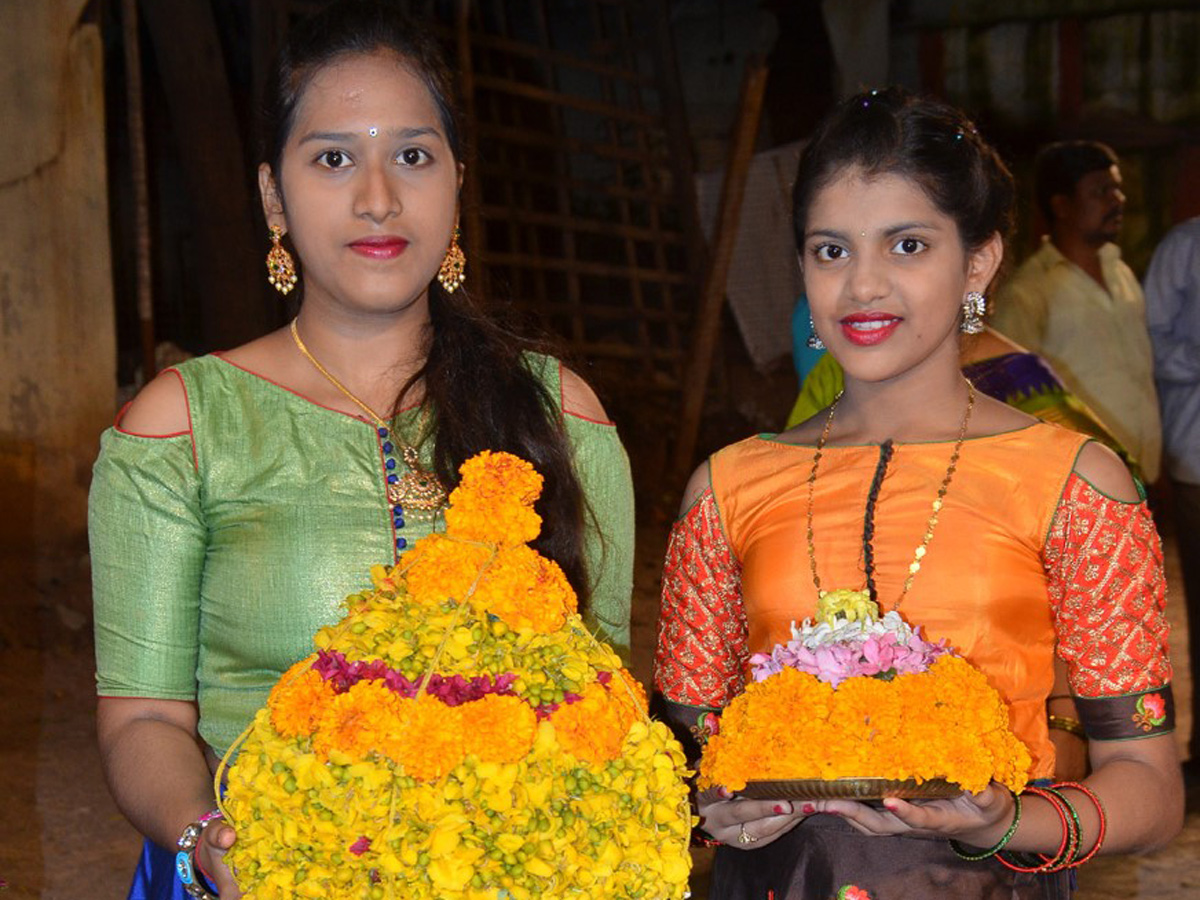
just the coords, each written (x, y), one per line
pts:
(866, 329)
(381, 247)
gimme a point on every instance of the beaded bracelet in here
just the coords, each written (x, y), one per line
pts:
(1103, 826)
(1000, 844)
(185, 859)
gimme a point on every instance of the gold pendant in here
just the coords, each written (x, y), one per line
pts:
(418, 492)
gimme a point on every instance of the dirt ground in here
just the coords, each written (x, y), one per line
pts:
(61, 837)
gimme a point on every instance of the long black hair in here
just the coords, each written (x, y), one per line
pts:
(478, 388)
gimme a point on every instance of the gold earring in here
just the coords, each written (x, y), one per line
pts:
(281, 268)
(453, 270)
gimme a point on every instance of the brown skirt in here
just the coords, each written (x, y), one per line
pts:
(823, 853)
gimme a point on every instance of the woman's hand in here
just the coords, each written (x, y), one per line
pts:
(745, 824)
(210, 858)
(978, 819)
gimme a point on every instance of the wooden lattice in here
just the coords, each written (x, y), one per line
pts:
(581, 220)
(579, 209)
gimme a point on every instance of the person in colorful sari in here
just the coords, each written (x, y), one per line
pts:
(1032, 543)
(996, 366)
(243, 495)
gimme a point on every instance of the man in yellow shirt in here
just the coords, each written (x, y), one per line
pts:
(1075, 303)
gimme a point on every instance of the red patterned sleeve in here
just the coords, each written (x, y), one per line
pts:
(1108, 594)
(702, 652)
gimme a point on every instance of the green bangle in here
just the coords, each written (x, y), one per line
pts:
(1001, 844)
(1074, 836)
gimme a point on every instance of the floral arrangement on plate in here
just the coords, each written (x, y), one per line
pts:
(860, 701)
(460, 734)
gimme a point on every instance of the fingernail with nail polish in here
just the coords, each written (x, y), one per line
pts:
(808, 809)
(780, 809)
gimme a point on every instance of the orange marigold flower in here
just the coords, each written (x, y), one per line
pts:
(627, 689)
(494, 501)
(490, 476)
(438, 568)
(427, 741)
(498, 728)
(357, 722)
(525, 590)
(298, 699)
(943, 723)
(594, 728)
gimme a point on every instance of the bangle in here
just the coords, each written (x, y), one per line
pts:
(1074, 833)
(1066, 723)
(700, 837)
(1066, 848)
(999, 845)
(1060, 697)
(1103, 827)
(185, 859)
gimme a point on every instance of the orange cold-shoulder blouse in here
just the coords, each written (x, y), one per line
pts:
(1027, 559)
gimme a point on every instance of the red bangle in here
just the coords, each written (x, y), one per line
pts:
(1049, 864)
(1074, 833)
(1103, 827)
(204, 872)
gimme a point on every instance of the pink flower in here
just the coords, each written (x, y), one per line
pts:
(852, 892)
(1155, 705)
(361, 846)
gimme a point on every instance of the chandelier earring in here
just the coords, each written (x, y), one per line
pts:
(814, 341)
(973, 309)
(453, 270)
(281, 268)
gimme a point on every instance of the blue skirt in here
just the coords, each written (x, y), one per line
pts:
(155, 876)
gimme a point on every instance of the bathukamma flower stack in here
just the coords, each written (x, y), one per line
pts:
(460, 734)
(857, 696)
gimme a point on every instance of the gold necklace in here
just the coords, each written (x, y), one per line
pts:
(417, 492)
(919, 554)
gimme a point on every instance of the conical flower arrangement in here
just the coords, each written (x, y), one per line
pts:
(460, 734)
(877, 703)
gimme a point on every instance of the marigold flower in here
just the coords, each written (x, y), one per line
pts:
(297, 699)
(498, 728)
(525, 590)
(946, 722)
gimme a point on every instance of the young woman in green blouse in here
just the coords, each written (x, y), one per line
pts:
(242, 495)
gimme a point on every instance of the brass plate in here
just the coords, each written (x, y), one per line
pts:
(850, 789)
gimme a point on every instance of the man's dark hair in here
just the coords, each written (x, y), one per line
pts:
(1059, 167)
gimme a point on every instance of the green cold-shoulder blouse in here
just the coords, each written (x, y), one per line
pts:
(217, 553)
